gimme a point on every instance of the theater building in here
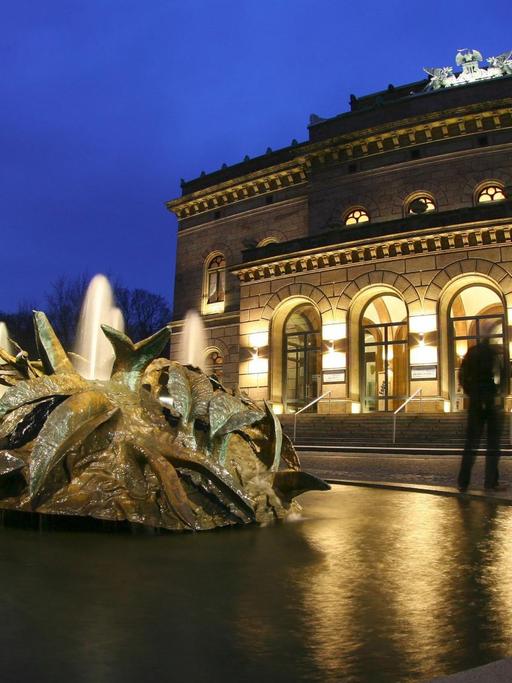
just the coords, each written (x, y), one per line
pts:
(364, 262)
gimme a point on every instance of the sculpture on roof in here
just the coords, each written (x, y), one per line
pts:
(469, 60)
(159, 443)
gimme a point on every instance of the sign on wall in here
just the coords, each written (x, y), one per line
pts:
(334, 377)
(423, 371)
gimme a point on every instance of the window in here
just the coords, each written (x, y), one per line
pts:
(420, 204)
(357, 216)
(215, 364)
(268, 240)
(490, 193)
(216, 280)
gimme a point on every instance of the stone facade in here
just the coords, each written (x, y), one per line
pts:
(280, 223)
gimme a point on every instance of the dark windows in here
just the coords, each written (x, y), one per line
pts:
(420, 204)
(215, 284)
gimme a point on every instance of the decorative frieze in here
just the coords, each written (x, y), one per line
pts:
(463, 237)
(366, 143)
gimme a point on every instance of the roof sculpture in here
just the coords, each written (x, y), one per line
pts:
(469, 60)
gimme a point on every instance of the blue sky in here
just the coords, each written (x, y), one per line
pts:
(106, 104)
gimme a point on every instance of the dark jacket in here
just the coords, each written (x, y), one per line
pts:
(481, 372)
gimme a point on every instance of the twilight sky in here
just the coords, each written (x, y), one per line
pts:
(106, 104)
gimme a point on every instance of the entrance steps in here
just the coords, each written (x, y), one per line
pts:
(440, 433)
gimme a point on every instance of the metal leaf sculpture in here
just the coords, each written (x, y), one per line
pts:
(159, 444)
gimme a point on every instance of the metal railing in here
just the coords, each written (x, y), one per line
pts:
(311, 403)
(411, 397)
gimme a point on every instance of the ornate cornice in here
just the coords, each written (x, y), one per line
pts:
(463, 121)
(375, 249)
(271, 180)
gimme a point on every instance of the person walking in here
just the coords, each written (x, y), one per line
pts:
(481, 376)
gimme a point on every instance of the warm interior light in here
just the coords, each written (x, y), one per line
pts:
(334, 331)
(356, 407)
(447, 407)
(421, 324)
(258, 339)
(461, 347)
(334, 359)
(277, 408)
(424, 354)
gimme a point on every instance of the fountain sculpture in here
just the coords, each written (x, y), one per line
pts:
(110, 449)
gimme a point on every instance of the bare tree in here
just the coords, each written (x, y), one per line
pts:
(63, 304)
(144, 312)
(21, 328)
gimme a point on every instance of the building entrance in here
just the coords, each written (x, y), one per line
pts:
(477, 312)
(302, 357)
(384, 354)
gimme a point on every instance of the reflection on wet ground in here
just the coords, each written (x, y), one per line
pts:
(369, 585)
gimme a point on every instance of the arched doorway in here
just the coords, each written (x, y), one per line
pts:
(302, 357)
(384, 354)
(475, 312)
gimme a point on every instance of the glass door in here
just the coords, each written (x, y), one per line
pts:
(384, 366)
(466, 332)
(302, 358)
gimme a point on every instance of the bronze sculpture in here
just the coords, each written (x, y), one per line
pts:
(159, 443)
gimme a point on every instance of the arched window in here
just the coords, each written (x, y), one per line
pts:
(477, 312)
(302, 345)
(268, 240)
(215, 283)
(215, 364)
(384, 362)
(492, 192)
(358, 215)
(419, 204)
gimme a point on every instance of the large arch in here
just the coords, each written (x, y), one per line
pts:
(354, 329)
(383, 278)
(277, 323)
(297, 290)
(446, 297)
(490, 271)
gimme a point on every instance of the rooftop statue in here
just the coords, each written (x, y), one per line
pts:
(471, 72)
(158, 443)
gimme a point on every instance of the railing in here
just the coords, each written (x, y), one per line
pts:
(411, 397)
(311, 403)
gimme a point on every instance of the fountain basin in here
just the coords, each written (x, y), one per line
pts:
(367, 585)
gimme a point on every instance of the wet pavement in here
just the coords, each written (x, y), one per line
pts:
(365, 586)
(431, 470)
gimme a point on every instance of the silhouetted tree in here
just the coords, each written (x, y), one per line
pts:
(62, 306)
(144, 312)
(21, 328)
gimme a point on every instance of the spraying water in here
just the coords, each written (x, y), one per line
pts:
(194, 341)
(6, 345)
(93, 355)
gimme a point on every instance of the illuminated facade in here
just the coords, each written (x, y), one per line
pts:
(364, 261)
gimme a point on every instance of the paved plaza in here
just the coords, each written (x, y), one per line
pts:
(423, 470)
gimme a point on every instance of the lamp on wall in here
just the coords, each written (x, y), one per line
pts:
(421, 324)
(333, 360)
(334, 331)
(258, 365)
(424, 354)
(258, 340)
